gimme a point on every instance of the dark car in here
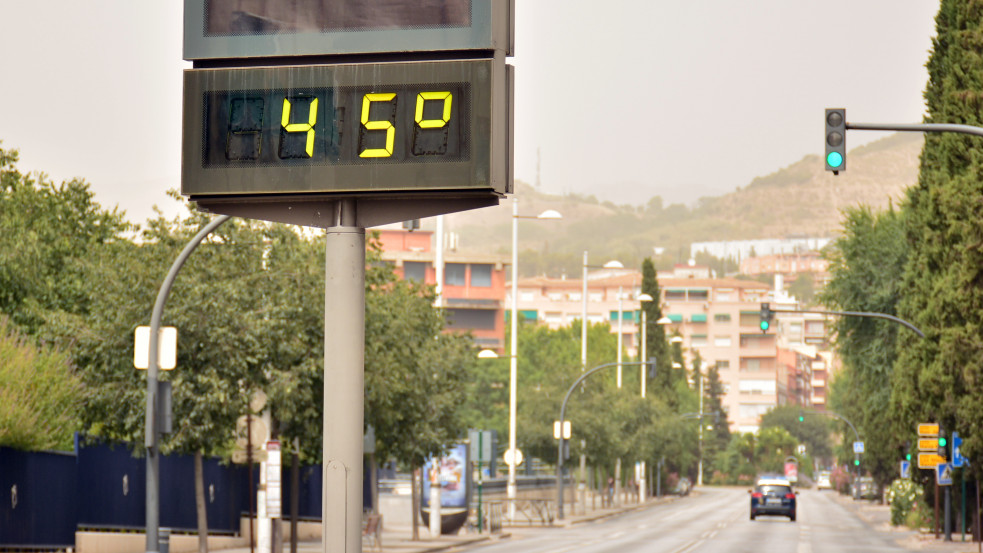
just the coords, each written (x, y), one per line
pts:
(773, 497)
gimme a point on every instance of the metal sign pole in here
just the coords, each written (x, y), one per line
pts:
(344, 365)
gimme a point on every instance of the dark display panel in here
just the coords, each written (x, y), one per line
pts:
(387, 127)
(406, 124)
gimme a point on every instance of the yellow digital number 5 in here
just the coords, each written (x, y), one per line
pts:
(378, 125)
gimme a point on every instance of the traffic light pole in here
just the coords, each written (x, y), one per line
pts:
(868, 314)
(916, 127)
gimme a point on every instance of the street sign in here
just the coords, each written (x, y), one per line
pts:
(513, 457)
(957, 457)
(482, 444)
(928, 444)
(274, 506)
(943, 474)
(566, 430)
(166, 348)
(929, 460)
(858, 447)
(239, 456)
(906, 469)
(930, 429)
(250, 429)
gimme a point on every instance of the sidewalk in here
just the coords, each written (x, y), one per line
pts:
(397, 537)
(879, 518)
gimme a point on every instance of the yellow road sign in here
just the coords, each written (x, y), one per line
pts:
(928, 429)
(928, 444)
(929, 460)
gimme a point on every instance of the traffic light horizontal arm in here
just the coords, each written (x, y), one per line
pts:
(916, 127)
(868, 314)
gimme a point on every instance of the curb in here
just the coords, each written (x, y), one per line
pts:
(668, 499)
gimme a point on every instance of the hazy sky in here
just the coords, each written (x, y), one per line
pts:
(624, 99)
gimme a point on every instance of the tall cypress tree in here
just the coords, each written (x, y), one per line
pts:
(655, 338)
(941, 377)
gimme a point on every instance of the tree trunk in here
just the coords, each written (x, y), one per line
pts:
(200, 504)
(415, 499)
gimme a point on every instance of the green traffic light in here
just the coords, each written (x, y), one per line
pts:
(856, 462)
(764, 325)
(942, 441)
(834, 159)
(801, 418)
(908, 457)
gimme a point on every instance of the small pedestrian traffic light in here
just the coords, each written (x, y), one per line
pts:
(801, 417)
(856, 462)
(836, 140)
(766, 316)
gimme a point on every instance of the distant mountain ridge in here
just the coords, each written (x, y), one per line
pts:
(799, 200)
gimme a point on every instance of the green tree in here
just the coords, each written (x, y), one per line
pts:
(655, 338)
(48, 232)
(940, 377)
(866, 264)
(716, 440)
(813, 430)
(40, 394)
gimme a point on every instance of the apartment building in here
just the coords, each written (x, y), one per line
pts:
(474, 285)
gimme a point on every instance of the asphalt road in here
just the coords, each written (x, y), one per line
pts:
(713, 520)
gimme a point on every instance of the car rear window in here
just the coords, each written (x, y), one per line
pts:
(774, 490)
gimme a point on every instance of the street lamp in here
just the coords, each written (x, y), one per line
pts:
(613, 264)
(514, 344)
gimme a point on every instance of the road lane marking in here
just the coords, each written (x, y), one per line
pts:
(689, 547)
(615, 535)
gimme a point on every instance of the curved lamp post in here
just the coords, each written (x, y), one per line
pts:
(563, 410)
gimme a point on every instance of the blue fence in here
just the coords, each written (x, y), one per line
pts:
(45, 496)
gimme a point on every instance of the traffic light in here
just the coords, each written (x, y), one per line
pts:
(942, 443)
(801, 416)
(856, 462)
(836, 140)
(907, 450)
(766, 316)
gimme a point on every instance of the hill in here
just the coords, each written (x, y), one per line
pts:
(799, 200)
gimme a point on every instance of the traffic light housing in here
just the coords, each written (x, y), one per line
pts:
(835, 140)
(801, 416)
(651, 367)
(943, 443)
(766, 316)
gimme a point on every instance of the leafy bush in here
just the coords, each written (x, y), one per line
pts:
(903, 495)
(39, 394)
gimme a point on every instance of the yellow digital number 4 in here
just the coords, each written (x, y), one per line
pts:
(379, 125)
(307, 127)
(422, 97)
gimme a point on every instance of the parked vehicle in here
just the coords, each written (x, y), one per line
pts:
(823, 482)
(773, 497)
(865, 488)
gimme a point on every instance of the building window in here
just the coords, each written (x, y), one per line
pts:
(815, 327)
(526, 296)
(555, 296)
(454, 274)
(675, 295)
(699, 295)
(554, 317)
(723, 365)
(481, 275)
(697, 340)
(415, 270)
(757, 387)
(724, 295)
(575, 296)
(721, 318)
(752, 365)
(754, 410)
(595, 296)
(721, 341)
(476, 319)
